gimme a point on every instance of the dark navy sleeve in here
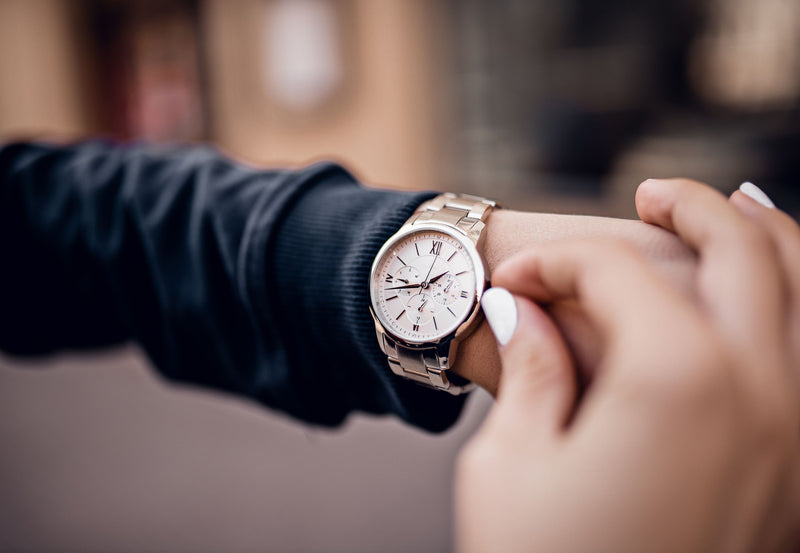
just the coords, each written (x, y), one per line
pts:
(236, 278)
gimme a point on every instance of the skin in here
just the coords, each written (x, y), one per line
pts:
(509, 232)
(687, 439)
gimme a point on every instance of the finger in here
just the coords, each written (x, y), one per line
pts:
(537, 386)
(609, 281)
(638, 315)
(739, 281)
(782, 229)
(785, 234)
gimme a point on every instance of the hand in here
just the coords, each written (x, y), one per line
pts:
(405, 287)
(509, 232)
(687, 439)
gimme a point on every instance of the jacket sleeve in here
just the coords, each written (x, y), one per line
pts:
(244, 280)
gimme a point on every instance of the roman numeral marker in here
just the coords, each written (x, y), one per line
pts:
(389, 279)
(436, 248)
(464, 294)
(415, 328)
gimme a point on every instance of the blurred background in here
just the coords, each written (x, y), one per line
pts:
(552, 106)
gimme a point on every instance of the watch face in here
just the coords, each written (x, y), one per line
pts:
(425, 284)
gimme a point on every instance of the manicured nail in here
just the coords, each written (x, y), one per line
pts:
(754, 192)
(501, 312)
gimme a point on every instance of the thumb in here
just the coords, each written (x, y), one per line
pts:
(537, 386)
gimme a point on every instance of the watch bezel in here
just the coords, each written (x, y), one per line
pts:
(468, 323)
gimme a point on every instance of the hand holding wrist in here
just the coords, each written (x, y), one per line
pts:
(509, 232)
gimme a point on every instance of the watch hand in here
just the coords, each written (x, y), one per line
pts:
(446, 288)
(434, 279)
(429, 270)
(404, 287)
(422, 304)
(401, 280)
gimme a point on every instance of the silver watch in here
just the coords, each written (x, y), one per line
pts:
(425, 288)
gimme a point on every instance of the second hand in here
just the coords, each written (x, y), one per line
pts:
(425, 282)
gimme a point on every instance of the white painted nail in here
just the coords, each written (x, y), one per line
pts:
(501, 312)
(753, 191)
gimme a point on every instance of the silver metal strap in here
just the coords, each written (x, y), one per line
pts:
(428, 366)
(423, 365)
(462, 211)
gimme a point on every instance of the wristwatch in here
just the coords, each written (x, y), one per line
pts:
(425, 288)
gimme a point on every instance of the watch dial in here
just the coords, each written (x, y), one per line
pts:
(424, 286)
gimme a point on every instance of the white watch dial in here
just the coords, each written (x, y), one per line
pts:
(424, 286)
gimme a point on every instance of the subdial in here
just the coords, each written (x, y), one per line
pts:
(406, 276)
(446, 290)
(420, 309)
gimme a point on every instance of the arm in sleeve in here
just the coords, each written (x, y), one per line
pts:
(250, 281)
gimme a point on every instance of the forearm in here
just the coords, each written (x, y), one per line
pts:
(241, 279)
(509, 232)
(228, 276)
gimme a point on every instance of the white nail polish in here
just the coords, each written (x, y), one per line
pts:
(501, 312)
(754, 192)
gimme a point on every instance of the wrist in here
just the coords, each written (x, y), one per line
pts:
(509, 232)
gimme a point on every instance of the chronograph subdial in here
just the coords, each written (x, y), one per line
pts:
(446, 290)
(406, 276)
(420, 309)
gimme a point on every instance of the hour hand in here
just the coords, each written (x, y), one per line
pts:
(404, 287)
(437, 277)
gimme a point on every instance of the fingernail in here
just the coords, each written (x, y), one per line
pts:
(501, 312)
(754, 192)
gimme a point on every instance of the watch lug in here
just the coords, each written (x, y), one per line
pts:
(477, 235)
